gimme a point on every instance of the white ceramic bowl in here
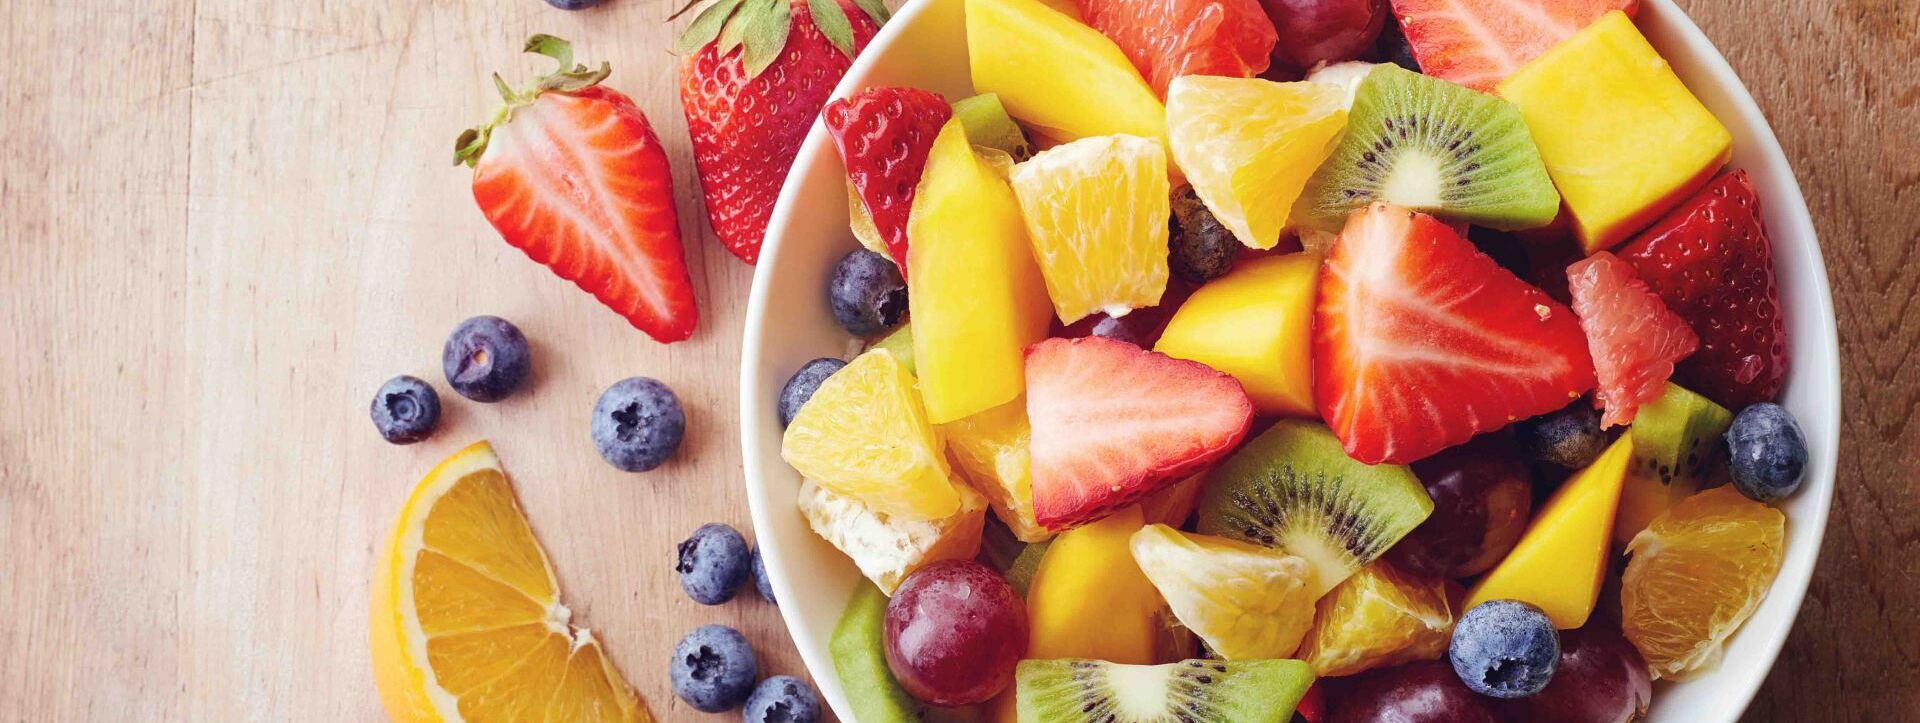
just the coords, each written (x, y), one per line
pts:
(925, 46)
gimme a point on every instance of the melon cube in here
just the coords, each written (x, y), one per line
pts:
(1255, 324)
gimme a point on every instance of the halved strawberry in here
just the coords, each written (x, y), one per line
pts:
(1113, 422)
(883, 135)
(570, 172)
(1421, 342)
(1478, 43)
(1711, 262)
(1166, 39)
(1634, 339)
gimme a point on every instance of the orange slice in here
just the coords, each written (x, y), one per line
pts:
(1697, 572)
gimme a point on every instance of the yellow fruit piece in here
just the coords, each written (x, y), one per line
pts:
(1696, 574)
(1096, 212)
(1089, 598)
(1055, 73)
(1247, 601)
(865, 435)
(466, 622)
(900, 344)
(862, 223)
(1379, 617)
(975, 295)
(1248, 146)
(990, 450)
(1560, 560)
(1256, 324)
(1622, 137)
(1173, 504)
(886, 548)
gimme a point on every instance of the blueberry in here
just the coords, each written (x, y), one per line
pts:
(1505, 649)
(782, 699)
(760, 582)
(405, 410)
(713, 668)
(713, 564)
(1198, 247)
(574, 4)
(1570, 437)
(486, 358)
(1766, 452)
(637, 424)
(866, 293)
(801, 386)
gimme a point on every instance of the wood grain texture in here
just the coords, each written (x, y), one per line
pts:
(223, 223)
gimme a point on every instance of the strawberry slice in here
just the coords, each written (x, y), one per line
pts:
(883, 135)
(1167, 39)
(1634, 339)
(1711, 262)
(1113, 422)
(1478, 43)
(570, 172)
(1421, 341)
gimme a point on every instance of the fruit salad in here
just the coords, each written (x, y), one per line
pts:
(1234, 361)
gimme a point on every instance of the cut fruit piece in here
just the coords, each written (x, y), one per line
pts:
(1623, 137)
(1166, 40)
(1696, 574)
(991, 450)
(1422, 342)
(859, 654)
(1431, 146)
(1248, 145)
(1633, 338)
(988, 125)
(1292, 487)
(900, 344)
(975, 295)
(1246, 601)
(887, 548)
(1559, 563)
(1174, 503)
(1096, 212)
(864, 434)
(1089, 598)
(1256, 324)
(1380, 617)
(1478, 43)
(861, 223)
(1026, 565)
(1113, 422)
(883, 135)
(1201, 691)
(1057, 74)
(1677, 449)
(466, 619)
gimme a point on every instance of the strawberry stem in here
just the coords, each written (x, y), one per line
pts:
(472, 143)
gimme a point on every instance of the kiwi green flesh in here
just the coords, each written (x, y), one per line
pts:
(1432, 146)
(1677, 451)
(1192, 691)
(987, 124)
(1294, 488)
(1020, 573)
(860, 660)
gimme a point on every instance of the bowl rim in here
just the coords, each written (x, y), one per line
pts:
(1785, 195)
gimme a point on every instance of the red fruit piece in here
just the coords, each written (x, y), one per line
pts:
(883, 135)
(1323, 31)
(1166, 39)
(571, 173)
(1478, 43)
(1421, 342)
(1634, 339)
(1113, 422)
(1711, 262)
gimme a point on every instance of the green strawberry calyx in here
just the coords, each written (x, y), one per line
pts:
(758, 28)
(570, 77)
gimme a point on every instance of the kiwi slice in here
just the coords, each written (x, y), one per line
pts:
(1432, 146)
(1192, 691)
(988, 124)
(1293, 487)
(1676, 452)
(860, 660)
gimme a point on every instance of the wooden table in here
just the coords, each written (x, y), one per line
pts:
(224, 222)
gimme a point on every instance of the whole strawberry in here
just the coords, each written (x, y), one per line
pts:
(570, 172)
(884, 135)
(1711, 262)
(754, 75)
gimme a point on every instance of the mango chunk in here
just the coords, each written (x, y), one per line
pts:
(1255, 324)
(975, 294)
(1561, 559)
(1622, 137)
(1090, 599)
(1055, 73)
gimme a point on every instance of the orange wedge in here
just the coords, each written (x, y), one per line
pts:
(466, 620)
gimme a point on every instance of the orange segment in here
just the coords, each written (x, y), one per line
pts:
(1377, 618)
(1248, 146)
(1697, 572)
(1096, 212)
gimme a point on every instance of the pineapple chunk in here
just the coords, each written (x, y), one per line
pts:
(990, 450)
(888, 548)
(1057, 74)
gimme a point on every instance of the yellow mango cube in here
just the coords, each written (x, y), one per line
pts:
(1622, 137)
(1561, 559)
(1055, 73)
(973, 289)
(1255, 324)
(1090, 600)
(991, 450)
